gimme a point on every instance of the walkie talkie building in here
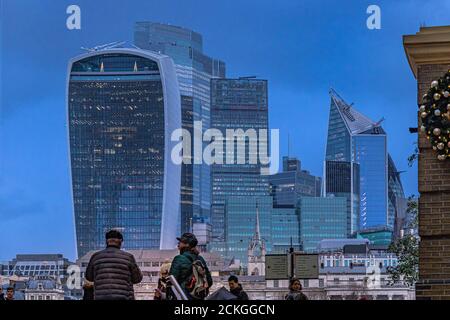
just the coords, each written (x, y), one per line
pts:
(123, 105)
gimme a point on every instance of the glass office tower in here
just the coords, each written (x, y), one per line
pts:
(285, 229)
(370, 151)
(322, 218)
(357, 156)
(241, 219)
(123, 105)
(398, 203)
(194, 70)
(288, 186)
(236, 104)
(342, 180)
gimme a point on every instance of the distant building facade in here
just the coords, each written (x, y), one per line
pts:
(321, 218)
(237, 104)
(292, 183)
(240, 224)
(285, 229)
(123, 105)
(44, 288)
(37, 265)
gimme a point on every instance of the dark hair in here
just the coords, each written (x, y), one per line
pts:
(233, 278)
(188, 238)
(293, 281)
(113, 234)
(10, 289)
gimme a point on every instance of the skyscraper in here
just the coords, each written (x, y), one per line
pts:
(398, 203)
(356, 166)
(240, 220)
(285, 229)
(322, 218)
(123, 105)
(194, 70)
(289, 185)
(237, 104)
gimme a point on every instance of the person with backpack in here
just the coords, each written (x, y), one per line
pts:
(190, 269)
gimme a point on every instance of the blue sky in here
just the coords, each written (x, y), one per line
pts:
(302, 47)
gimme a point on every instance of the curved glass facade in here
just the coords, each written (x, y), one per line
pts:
(118, 109)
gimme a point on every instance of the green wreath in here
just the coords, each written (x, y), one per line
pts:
(435, 115)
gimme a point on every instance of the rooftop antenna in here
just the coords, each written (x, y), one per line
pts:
(377, 124)
(105, 46)
(289, 145)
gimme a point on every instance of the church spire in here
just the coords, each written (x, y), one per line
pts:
(257, 231)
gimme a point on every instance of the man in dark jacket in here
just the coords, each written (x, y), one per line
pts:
(236, 288)
(113, 271)
(182, 264)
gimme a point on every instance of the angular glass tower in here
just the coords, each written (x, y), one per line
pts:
(356, 165)
(236, 104)
(194, 70)
(123, 105)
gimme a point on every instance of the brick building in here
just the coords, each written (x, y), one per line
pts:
(428, 53)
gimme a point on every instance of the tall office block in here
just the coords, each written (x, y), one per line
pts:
(285, 229)
(236, 104)
(342, 180)
(288, 186)
(241, 219)
(194, 70)
(322, 218)
(123, 105)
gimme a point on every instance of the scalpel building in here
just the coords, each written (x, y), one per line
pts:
(123, 104)
(358, 167)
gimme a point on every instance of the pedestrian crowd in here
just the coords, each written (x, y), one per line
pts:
(112, 273)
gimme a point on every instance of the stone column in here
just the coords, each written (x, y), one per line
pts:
(428, 53)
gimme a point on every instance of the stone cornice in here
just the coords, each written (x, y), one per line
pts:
(431, 45)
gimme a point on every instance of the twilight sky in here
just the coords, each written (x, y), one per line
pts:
(303, 47)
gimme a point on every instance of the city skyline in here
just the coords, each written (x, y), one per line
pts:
(299, 148)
